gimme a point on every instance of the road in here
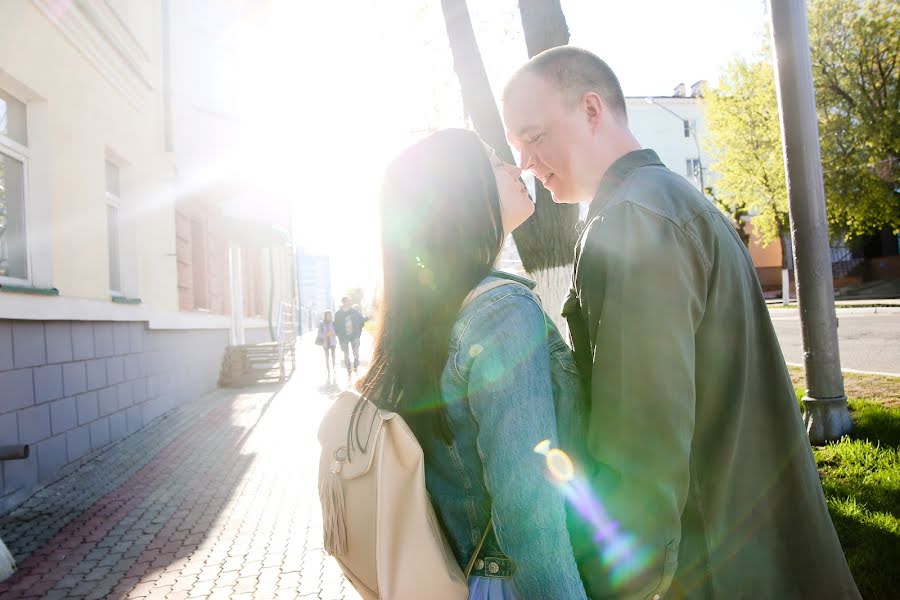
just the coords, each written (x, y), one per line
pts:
(868, 342)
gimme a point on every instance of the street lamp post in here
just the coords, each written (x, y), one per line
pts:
(693, 133)
(826, 415)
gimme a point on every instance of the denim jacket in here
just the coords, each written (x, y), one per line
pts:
(510, 382)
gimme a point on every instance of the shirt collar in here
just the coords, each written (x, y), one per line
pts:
(619, 172)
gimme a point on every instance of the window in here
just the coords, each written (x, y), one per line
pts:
(13, 166)
(690, 126)
(112, 228)
(198, 264)
(692, 168)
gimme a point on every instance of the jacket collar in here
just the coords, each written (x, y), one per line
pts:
(523, 280)
(619, 172)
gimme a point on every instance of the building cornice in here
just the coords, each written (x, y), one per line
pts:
(94, 28)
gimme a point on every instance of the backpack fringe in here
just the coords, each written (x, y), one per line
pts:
(334, 523)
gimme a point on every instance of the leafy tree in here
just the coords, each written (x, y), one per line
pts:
(744, 141)
(855, 48)
(356, 295)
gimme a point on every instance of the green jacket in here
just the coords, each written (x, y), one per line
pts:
(701, 459)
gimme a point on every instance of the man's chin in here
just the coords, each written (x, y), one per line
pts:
(562, 197)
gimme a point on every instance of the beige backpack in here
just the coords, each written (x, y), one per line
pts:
(378, 520)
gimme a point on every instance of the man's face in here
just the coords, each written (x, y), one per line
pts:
(552, 135)
(346, 303)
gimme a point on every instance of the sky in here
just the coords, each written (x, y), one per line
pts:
(336, 90)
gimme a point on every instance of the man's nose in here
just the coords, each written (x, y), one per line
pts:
(526, 160)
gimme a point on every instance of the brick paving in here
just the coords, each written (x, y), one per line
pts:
(216, 499)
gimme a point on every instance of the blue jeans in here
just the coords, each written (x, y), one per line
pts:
(354, 344)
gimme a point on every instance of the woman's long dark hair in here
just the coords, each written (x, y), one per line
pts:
(441, 232)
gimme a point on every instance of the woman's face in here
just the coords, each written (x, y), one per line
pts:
(515, 204)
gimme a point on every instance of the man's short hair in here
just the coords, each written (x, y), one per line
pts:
(346, 299)
(574, 71)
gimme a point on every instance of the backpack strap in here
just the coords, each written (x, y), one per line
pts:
(486, 287)
(475, 554)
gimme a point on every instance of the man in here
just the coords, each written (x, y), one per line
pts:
(348, 323)
(699, 456)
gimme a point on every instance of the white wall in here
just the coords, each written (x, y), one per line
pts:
(663, 132)
(92, 96)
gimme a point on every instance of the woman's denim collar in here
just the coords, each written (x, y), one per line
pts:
(517, 278)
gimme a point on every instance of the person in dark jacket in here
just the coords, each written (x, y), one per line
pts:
(698, 453)
(348, 323)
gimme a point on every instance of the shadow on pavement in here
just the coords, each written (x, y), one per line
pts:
(139, 506)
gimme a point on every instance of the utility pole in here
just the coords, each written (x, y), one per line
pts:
(826, 414)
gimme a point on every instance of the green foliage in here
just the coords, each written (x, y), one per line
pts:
(744, 141)
(356, 295)
(861, 479)
(855, 48)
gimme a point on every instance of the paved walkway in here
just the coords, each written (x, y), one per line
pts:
(216, 499)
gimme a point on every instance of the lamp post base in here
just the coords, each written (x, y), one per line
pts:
(826, 419)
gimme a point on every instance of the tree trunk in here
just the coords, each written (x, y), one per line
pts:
(478, 99)
(546, 241)
(552, 288)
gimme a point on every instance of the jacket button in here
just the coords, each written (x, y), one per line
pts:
(493, 568)
(479, 565)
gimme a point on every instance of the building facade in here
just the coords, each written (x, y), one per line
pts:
(125, 268)
(315, 293)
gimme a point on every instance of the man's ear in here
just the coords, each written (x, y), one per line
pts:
(594, 110)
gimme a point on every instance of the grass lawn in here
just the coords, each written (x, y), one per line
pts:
(861, 478)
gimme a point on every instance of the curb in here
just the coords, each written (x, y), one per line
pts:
(793, 311)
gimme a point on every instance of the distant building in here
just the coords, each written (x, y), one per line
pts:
(674, 127)
(314, 283)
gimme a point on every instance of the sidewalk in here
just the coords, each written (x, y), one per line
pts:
(877, 306)
(216, 499)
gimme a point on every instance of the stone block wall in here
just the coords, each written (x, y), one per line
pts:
(70, 388)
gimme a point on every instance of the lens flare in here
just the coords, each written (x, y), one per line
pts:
(620, 552)
(560, 466)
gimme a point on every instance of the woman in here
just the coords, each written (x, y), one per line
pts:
(482, 384)
(328, 336)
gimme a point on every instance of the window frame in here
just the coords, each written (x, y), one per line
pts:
(19, 152)
(692, 168)
(114, 200)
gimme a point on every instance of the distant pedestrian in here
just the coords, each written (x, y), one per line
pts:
(348, 323)
(327, 338)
